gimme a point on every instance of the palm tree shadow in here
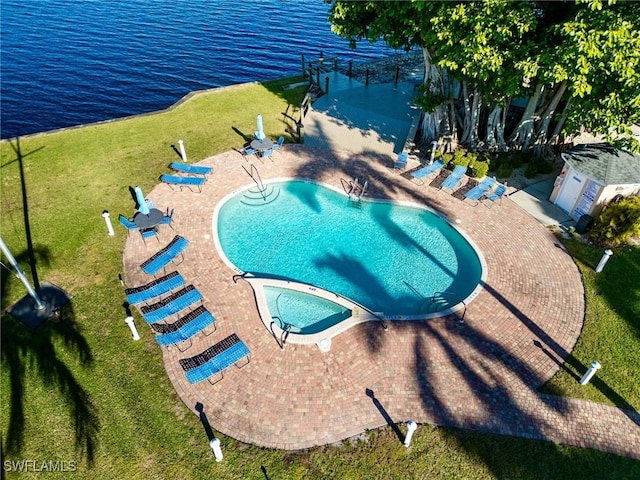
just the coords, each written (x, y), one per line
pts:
(22, 346)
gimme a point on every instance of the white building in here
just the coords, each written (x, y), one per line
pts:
(592, 175)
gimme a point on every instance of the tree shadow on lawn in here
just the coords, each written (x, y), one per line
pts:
(22, 347)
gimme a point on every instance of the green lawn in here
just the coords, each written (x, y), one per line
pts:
(80, 390)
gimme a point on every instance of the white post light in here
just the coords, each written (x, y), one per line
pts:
(132, 326)
(107, 220)
(183, 154)
(434, 145)
(215, 446)
(605, 258)
(590, 373)
(411, 427)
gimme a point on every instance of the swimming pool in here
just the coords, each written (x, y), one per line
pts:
(397, 260)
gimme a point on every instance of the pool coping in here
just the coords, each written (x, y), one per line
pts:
(379, 316)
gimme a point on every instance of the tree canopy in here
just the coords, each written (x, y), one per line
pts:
(574, 64)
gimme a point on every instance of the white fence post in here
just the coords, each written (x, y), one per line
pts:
(411, 427)
(132, 326)
(215, 446)
(590, 373)
(605, 258)
(107, 220)
(183, 154)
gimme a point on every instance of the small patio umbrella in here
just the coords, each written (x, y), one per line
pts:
(142, 204)
(260, 133)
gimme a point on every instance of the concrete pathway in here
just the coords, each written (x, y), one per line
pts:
(359, 119)
(480, 374)
(535, 200)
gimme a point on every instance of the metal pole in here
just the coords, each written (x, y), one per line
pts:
(326, 84)
(20, 274)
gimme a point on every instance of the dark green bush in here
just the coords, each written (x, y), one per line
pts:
(504, 171)
(618, 223)
(536, 166)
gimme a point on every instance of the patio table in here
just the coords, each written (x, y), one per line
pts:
(261, 145)
(153, 218)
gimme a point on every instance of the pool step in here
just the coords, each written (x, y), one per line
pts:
(434, 304)
(256, 196)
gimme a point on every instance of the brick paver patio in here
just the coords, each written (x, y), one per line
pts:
(480, 374)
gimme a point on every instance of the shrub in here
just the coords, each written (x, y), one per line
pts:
(461, 158)
(536, 166)
(618, 223)
(478, 169)
(504, 171)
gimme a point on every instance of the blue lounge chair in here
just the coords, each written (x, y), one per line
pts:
(188, 182)
(128, 224)
(401, 161)
(215, 359)
(453, 180)
(172, 305)
(159, 260)
(193, 169)
(496, 195)
(154, 289)
(479, 190)
(422, 173)
(188, 326)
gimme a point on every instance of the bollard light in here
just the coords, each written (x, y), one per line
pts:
(107, 220)
(183, 154)
(132, 326)
(411, 427)
(215, 446)
(595, 366)
(605, 258)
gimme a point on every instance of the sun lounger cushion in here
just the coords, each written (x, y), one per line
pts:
(155, 288)
(163, 257)
(454, 179)
(187, 168)
(189, 325)
(428, 170)
(215, 359)
(172, 305)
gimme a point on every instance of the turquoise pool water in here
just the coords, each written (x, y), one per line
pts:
(306, 313)
(389, 258)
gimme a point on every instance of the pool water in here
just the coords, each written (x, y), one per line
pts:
(390, 258)
(304, 312)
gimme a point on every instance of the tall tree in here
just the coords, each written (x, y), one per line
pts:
(575, 63)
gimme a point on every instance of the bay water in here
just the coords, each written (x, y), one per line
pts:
(72, 62)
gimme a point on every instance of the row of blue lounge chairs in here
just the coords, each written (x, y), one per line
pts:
(477, 193)
(194, 176)
(167, 298)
